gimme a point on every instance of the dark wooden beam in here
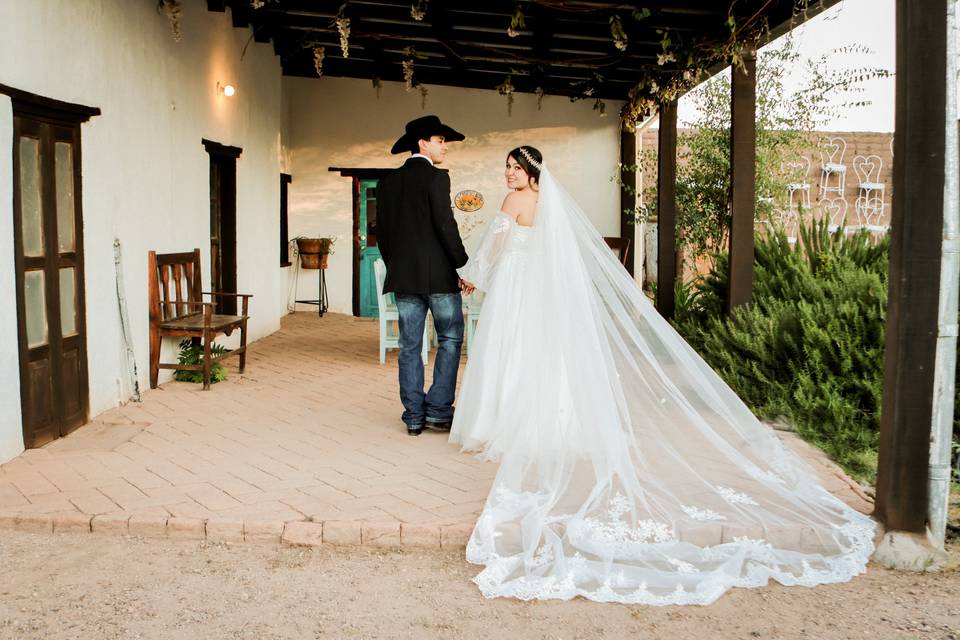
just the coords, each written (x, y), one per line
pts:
(743, 187)
(628, 193)
(494, 18)
(45, 108)
(218, 149)
(563, 43)
(438, 58)
(239, 12)
(568, 46)
(360, 172)
(915, 252)
(298, 65)
(262, 31)
(543, 32)
(667, 210)
(441, 27)
(379, 66)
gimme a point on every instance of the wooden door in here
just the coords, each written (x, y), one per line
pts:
(223, 224)
(48, 248)
(216, 270)
(223, 231)
(363, 187)
(369, 251)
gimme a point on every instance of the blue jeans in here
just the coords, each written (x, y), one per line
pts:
(437, 404)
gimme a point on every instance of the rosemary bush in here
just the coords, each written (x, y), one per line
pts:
(809, 349)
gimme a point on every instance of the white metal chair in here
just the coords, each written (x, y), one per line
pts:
(870, 199)
(387, 306)
(473, 305)
(789, 220)
(798, 173)
(835, 210)
(832, 151)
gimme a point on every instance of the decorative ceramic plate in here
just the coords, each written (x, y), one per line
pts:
(468, 200)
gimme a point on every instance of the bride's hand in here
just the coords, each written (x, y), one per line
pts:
(466, 287)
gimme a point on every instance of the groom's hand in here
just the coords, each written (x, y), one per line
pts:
(466, 287)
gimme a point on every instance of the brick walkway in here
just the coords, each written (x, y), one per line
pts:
(307, 445)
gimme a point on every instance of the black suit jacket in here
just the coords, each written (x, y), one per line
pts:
(416, 232)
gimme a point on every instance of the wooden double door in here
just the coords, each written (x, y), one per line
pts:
(48, 249)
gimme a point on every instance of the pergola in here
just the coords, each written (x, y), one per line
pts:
(648, 54)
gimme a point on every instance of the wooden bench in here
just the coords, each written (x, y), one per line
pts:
(620, 246)
(177, 309)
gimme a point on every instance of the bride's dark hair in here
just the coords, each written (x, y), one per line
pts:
(520, 155)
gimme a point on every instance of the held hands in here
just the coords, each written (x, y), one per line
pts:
(466, 287)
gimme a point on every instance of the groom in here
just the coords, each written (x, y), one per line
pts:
(421, 248)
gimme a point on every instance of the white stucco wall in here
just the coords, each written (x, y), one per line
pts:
(11, 435)
(145, 171)
(340, 122)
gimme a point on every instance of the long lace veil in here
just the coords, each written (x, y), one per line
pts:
(633, 473)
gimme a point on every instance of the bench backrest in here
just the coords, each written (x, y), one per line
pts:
(620, 246)
(174, 280)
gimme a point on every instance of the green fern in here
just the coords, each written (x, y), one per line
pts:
(191, 353)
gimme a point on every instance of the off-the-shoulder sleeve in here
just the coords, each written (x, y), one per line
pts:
(480, 268)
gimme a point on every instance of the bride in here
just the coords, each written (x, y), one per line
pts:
(629, 471)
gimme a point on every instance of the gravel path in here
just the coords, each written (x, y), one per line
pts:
(70, 586)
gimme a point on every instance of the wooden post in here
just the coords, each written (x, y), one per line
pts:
(153, 297)
(743, 159)
(915, 265)
(628, 194)
(667, 209)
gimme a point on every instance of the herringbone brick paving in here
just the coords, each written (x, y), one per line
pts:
(310, 432)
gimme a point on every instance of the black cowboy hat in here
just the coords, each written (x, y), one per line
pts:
(422, 129)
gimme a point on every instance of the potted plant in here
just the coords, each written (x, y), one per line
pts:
(313, 252)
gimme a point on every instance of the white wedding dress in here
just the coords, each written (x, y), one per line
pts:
(629, 471)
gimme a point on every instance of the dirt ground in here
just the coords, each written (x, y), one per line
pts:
(91, 587)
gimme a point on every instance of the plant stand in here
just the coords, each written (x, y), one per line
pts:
(321, 300)
(313, 253)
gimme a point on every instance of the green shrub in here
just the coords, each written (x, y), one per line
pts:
(191, 353)
(810, 346)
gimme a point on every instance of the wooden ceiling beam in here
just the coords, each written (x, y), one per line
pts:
(467, 44)
(478, 77)
(556, 42)
(239, 13)
(452, 45)
(484, 24)
(611, 66)
(262, 30)
(371, 50)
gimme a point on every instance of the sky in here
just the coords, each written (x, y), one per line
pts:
(867, 22)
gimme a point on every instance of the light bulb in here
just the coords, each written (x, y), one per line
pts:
(228, 90)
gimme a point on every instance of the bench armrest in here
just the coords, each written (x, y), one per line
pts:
(235, 295)
(244, 299)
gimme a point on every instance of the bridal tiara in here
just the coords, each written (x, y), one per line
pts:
(529, 156)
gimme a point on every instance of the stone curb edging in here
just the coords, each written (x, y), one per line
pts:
(292, 533)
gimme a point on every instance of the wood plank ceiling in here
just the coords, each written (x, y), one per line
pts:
(564, 47)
